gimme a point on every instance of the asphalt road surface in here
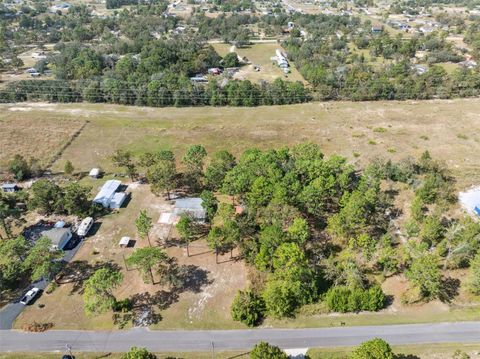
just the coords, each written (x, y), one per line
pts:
(118, 341)
(11, 311)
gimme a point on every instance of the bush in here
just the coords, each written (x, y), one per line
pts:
(138, 353)
(264, 350)
(248, 308)
(373, 349)
(37, 327)
(343, 299)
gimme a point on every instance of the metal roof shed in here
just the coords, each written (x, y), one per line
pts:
(190, 206)
(107, 192)
(117, 200)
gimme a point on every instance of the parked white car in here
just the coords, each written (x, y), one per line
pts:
(85, 226)
(32, 293)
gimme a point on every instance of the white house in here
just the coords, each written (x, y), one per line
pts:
(107, 193)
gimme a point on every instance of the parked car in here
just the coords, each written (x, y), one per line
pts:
(85, 226)
(28, 297)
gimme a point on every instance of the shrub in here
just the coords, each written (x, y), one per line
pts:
(37, 327)
(264, 350)
(343, 299)
(248, 308)
(138, 353)
(376, 348)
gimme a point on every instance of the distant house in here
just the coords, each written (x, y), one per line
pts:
(419, 69)
(214, 71)
(377, 29)
(469, 64)
(108, 196)
(9, 187)
(198, 79)
(58, 236)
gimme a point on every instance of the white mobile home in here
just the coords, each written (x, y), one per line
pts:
(107, 192)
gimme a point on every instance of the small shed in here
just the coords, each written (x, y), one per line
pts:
(9, 187)
(59, 237)
(94, 173)
(124, 242)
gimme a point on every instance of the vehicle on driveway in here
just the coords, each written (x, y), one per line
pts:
(85, 227)
(28, 297)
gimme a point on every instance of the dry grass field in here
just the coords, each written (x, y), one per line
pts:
(360, 131)
(37, 135)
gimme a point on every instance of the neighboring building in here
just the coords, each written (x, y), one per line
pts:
(9, 187)
(214, 71)
(419, 69)
(124, 242)
(469, 64)
(184, 206)
(199, 79)
(377, 29)
(59, 237)
(107, 194)
(190, 206)
(94, 173)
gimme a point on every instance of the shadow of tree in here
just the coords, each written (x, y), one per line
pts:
(179, 278)
(183, 278)
(449, 289)
(406, 356)
(77, 272)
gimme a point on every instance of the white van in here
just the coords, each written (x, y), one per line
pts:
(85, 226)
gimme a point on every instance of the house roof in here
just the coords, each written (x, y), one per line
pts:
(9, 185)
(107, 191)
(191, 206)
(56, 235)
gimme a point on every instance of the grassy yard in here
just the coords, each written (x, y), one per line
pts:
(360, 131)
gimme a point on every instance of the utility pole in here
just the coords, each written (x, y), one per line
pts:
(213, 350)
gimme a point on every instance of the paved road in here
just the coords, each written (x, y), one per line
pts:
(117, 341)
(11, 311)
